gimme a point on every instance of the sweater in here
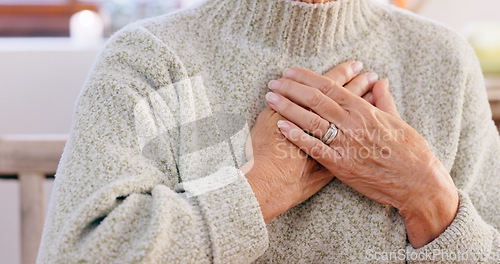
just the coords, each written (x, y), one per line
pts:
(150, 171)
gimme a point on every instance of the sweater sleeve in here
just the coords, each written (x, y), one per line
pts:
(116, 199)
(473, 236)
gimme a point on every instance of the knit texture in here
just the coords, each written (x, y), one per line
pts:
(150, 170)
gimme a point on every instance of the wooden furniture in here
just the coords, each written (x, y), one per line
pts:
(31, 158)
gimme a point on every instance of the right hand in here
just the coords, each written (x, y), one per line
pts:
(280, 174)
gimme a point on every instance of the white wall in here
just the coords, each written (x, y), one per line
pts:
(457, 13)
(40, 80)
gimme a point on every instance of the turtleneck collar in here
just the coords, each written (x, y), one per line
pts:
(293, 27)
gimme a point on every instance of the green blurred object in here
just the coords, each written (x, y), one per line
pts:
(485, 39)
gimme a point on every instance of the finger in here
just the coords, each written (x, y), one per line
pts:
(382, 97)
(338, 76)
(314, 99)
(344, 72)
(341, 74)
(319, 151)
(312, 79)
(362, 83)
(369, 97)
(307, 120)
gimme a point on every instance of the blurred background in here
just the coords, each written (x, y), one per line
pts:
(46, 50)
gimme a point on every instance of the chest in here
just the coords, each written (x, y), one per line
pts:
(225, 96)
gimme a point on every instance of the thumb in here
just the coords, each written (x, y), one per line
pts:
(382, 97)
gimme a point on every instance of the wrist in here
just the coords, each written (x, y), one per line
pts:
(271, 202)
(431, 208)
(425, 224)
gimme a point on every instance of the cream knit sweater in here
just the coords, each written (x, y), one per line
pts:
(150, 171)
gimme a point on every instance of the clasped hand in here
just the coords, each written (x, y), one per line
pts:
(375, 151)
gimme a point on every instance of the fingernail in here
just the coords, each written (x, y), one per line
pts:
(272, 98)
(372, 77)
(356, 67)
(288, 72)
(274, 84)
(283, 125)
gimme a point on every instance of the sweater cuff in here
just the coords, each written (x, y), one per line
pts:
(235, 223)
(468, 239)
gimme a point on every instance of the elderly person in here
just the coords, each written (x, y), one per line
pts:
(157, 168)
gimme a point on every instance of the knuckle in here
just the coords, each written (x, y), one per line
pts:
(327, 87)
(316, 99)
(315, 125)
(287, 106)
(298, 71)
(362, 80)
(345, 72)
(285, 86)
(317, 150)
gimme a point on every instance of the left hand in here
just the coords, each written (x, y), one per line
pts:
(375, 151)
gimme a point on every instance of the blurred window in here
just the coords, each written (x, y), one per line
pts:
(43, 18)
(39, 18)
